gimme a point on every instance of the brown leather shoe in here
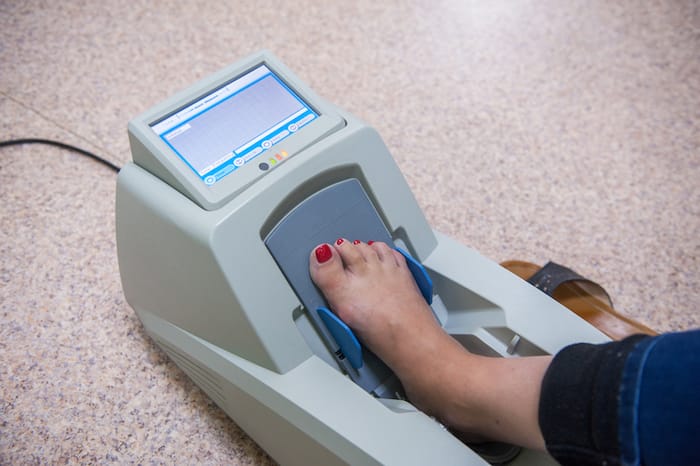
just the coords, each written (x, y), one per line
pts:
(584, 297)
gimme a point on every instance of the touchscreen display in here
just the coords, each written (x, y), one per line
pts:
(231, 126)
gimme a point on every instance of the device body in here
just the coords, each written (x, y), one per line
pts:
(201, 276)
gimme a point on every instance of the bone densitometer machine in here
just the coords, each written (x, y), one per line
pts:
(234, 181)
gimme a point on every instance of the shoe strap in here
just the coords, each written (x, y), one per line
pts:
(553, 275)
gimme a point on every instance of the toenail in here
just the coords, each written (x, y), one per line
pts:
(339, 241)
(323, 253)
(370, 242)
(357, 241)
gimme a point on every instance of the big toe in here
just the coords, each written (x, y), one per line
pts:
(326, 268)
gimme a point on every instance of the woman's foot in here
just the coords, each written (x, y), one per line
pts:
(371, 289)
(369, 286)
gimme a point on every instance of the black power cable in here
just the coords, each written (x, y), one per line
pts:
(62, 145)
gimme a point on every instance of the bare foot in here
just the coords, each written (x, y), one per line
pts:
(371, 289)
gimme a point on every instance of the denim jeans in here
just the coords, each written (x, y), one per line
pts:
(659, 411)
(636, 401)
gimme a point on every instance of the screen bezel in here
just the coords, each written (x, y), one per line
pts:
(252, 76)
(190, 183)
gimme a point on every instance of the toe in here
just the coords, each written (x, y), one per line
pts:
(326, 267)
(352, 255)
(386, 254)
(367, 252)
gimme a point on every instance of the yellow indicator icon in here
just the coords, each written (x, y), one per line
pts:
(284, 154)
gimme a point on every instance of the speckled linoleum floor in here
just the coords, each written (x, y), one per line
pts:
(549, 130)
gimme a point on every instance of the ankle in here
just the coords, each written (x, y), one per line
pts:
(417, 349)
(437, 380)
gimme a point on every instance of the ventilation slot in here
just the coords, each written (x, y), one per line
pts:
(205, 379)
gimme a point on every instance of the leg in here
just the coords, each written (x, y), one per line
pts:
(660, 401)
(372, 290)
(633, 401)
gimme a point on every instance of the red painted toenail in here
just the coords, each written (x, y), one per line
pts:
(357, 241)
(370, 242)
(323, 253)
(339, 241)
